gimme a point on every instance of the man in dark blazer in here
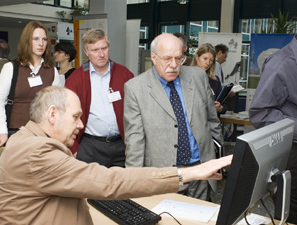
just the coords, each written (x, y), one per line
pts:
(151, 128)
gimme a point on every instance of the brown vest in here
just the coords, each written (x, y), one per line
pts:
(24, 94)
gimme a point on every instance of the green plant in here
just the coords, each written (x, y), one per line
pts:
(77, 11)
(282, 24)
(62, 14)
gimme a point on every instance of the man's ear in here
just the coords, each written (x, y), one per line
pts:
(153, 57)
(86, 52)
(52, 114)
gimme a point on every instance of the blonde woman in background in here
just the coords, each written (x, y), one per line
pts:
(205, 59)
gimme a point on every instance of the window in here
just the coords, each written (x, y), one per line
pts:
(195, 28)
(200, 26)
(143, 33)
(82, 3)
(258, 25)
(179, 1)
(50, 2)
(136, 1)
(66, 3)
(172, 29)
(269, 25)
(143, 46)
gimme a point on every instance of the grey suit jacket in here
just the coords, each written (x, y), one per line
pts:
(149, 120)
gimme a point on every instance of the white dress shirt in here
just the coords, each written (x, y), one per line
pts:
(102, 119)
(5, 85)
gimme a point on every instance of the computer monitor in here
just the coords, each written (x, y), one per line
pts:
(258, 155)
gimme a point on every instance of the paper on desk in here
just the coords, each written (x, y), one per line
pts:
(254, 219)
(186, 210)
(251, 218)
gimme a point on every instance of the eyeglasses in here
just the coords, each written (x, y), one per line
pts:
(168, 60)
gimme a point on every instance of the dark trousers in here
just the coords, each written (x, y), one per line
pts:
(105, 153)
(292, 166)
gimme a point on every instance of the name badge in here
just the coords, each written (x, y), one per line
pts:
(35, 81)
(114, 96)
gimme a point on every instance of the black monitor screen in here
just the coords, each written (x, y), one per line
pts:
(257, 156)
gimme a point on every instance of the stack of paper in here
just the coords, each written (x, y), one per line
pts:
(237, 88)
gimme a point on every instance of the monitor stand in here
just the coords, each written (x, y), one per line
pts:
(281, 198)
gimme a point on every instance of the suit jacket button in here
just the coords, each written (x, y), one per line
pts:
(176, 146)
(176, 126)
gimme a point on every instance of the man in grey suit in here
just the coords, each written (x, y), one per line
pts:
(150, 123)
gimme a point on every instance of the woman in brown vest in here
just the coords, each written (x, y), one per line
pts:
(35, 71)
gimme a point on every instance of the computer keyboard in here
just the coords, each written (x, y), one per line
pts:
(125, 212)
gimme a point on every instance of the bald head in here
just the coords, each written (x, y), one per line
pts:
(57, 110)
(162, 39)
(60, 97)
(167, 55)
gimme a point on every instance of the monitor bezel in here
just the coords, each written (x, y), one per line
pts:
(251, 171)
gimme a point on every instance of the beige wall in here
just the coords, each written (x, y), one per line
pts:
(116, 11)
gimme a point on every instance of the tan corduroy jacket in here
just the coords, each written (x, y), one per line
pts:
(42, 183)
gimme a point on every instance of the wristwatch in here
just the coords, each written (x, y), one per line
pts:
(180, 177)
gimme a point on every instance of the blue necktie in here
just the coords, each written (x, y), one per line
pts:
(184, 150)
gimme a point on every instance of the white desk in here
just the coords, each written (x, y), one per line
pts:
(151, 202)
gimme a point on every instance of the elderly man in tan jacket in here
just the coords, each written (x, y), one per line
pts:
(42, 183)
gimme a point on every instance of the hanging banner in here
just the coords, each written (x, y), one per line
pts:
(262, 45)
(233, 41)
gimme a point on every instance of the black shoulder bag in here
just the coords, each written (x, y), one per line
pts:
(8, 106)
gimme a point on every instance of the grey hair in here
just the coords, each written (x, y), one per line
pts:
(51, 95)
(92, 36)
